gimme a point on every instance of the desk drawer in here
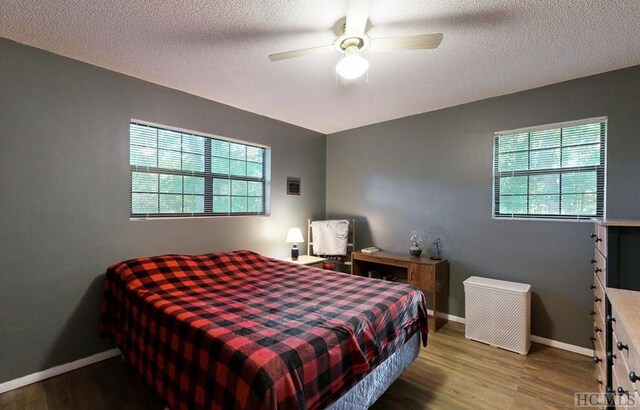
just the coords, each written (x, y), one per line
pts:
(422, 276)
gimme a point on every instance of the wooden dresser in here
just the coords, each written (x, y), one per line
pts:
(616, 309)
(431, 277)
(599, 337)
(625, 343)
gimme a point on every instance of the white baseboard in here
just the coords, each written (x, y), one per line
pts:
(563, 346)
(57, 370)
(447, 316)
(537, 339)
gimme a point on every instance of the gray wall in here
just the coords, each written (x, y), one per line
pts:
(64, 208)
(433, 172)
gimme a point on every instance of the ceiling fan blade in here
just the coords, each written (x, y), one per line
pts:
(301, 53)
(357, 15)
(419, 42)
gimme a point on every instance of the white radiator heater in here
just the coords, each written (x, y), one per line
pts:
(498, 313)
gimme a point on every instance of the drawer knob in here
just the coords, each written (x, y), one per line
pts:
(595, 237)
(622, 391)
(599, 381)
(593, 313)
(633, 377)
(621, 346)
(610, 319)
(592, 287)
(596, 270)
(597, 360)
(593, 261)
(597, 329)
(611, 355)
(597, 299)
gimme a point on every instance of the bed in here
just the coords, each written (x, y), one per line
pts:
(241, 330)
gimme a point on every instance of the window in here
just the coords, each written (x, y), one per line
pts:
(182, 174)
(550, 172)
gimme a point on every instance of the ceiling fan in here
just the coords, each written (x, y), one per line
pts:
(354, 40)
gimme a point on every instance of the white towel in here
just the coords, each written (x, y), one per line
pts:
(330, 237)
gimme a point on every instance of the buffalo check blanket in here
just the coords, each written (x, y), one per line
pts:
(240, 330)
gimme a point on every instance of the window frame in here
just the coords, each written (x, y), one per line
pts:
(600, 169)
(208, 175)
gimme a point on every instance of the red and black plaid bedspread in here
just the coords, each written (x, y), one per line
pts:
(240, 330)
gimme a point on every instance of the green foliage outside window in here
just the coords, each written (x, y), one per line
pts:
(554, 172)
(180, 174)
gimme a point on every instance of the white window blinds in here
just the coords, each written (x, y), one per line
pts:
(551, 172)
(181, 174)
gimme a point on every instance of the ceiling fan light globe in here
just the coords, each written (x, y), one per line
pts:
(351, 67)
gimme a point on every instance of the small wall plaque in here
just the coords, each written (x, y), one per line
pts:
(293, 186)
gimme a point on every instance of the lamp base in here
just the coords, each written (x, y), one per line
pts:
(295, 252)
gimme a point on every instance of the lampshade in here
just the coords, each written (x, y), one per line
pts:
(352, 66)
(294, 235)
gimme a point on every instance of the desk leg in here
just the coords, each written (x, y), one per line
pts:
(355, 268)
(441, 294)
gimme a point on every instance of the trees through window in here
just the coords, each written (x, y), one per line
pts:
(555, 171)
(176, 173)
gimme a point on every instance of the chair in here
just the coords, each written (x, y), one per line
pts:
(340, 263)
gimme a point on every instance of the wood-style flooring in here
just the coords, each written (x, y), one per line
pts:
(457, 373)
(451, 373)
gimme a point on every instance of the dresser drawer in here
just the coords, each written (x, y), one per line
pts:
(621, 344)
(599, 236)
(600, 266)
(598, 298)
(422, 276)
(621, 370)
(626, 349)
(625, 399)
(599, 342)
(599, 358)
(600, 376)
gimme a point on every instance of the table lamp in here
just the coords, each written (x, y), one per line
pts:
(294, 236)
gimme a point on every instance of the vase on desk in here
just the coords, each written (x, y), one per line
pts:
(416, 243)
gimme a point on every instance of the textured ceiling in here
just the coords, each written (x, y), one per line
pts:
(218, 49)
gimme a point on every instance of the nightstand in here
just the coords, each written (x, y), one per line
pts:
(307, 260)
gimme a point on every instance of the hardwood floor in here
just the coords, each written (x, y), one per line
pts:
(451, 373)
(457, 373)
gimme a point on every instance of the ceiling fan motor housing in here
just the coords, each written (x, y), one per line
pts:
(360, 41)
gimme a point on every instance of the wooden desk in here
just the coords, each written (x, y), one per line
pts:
(431, 277)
